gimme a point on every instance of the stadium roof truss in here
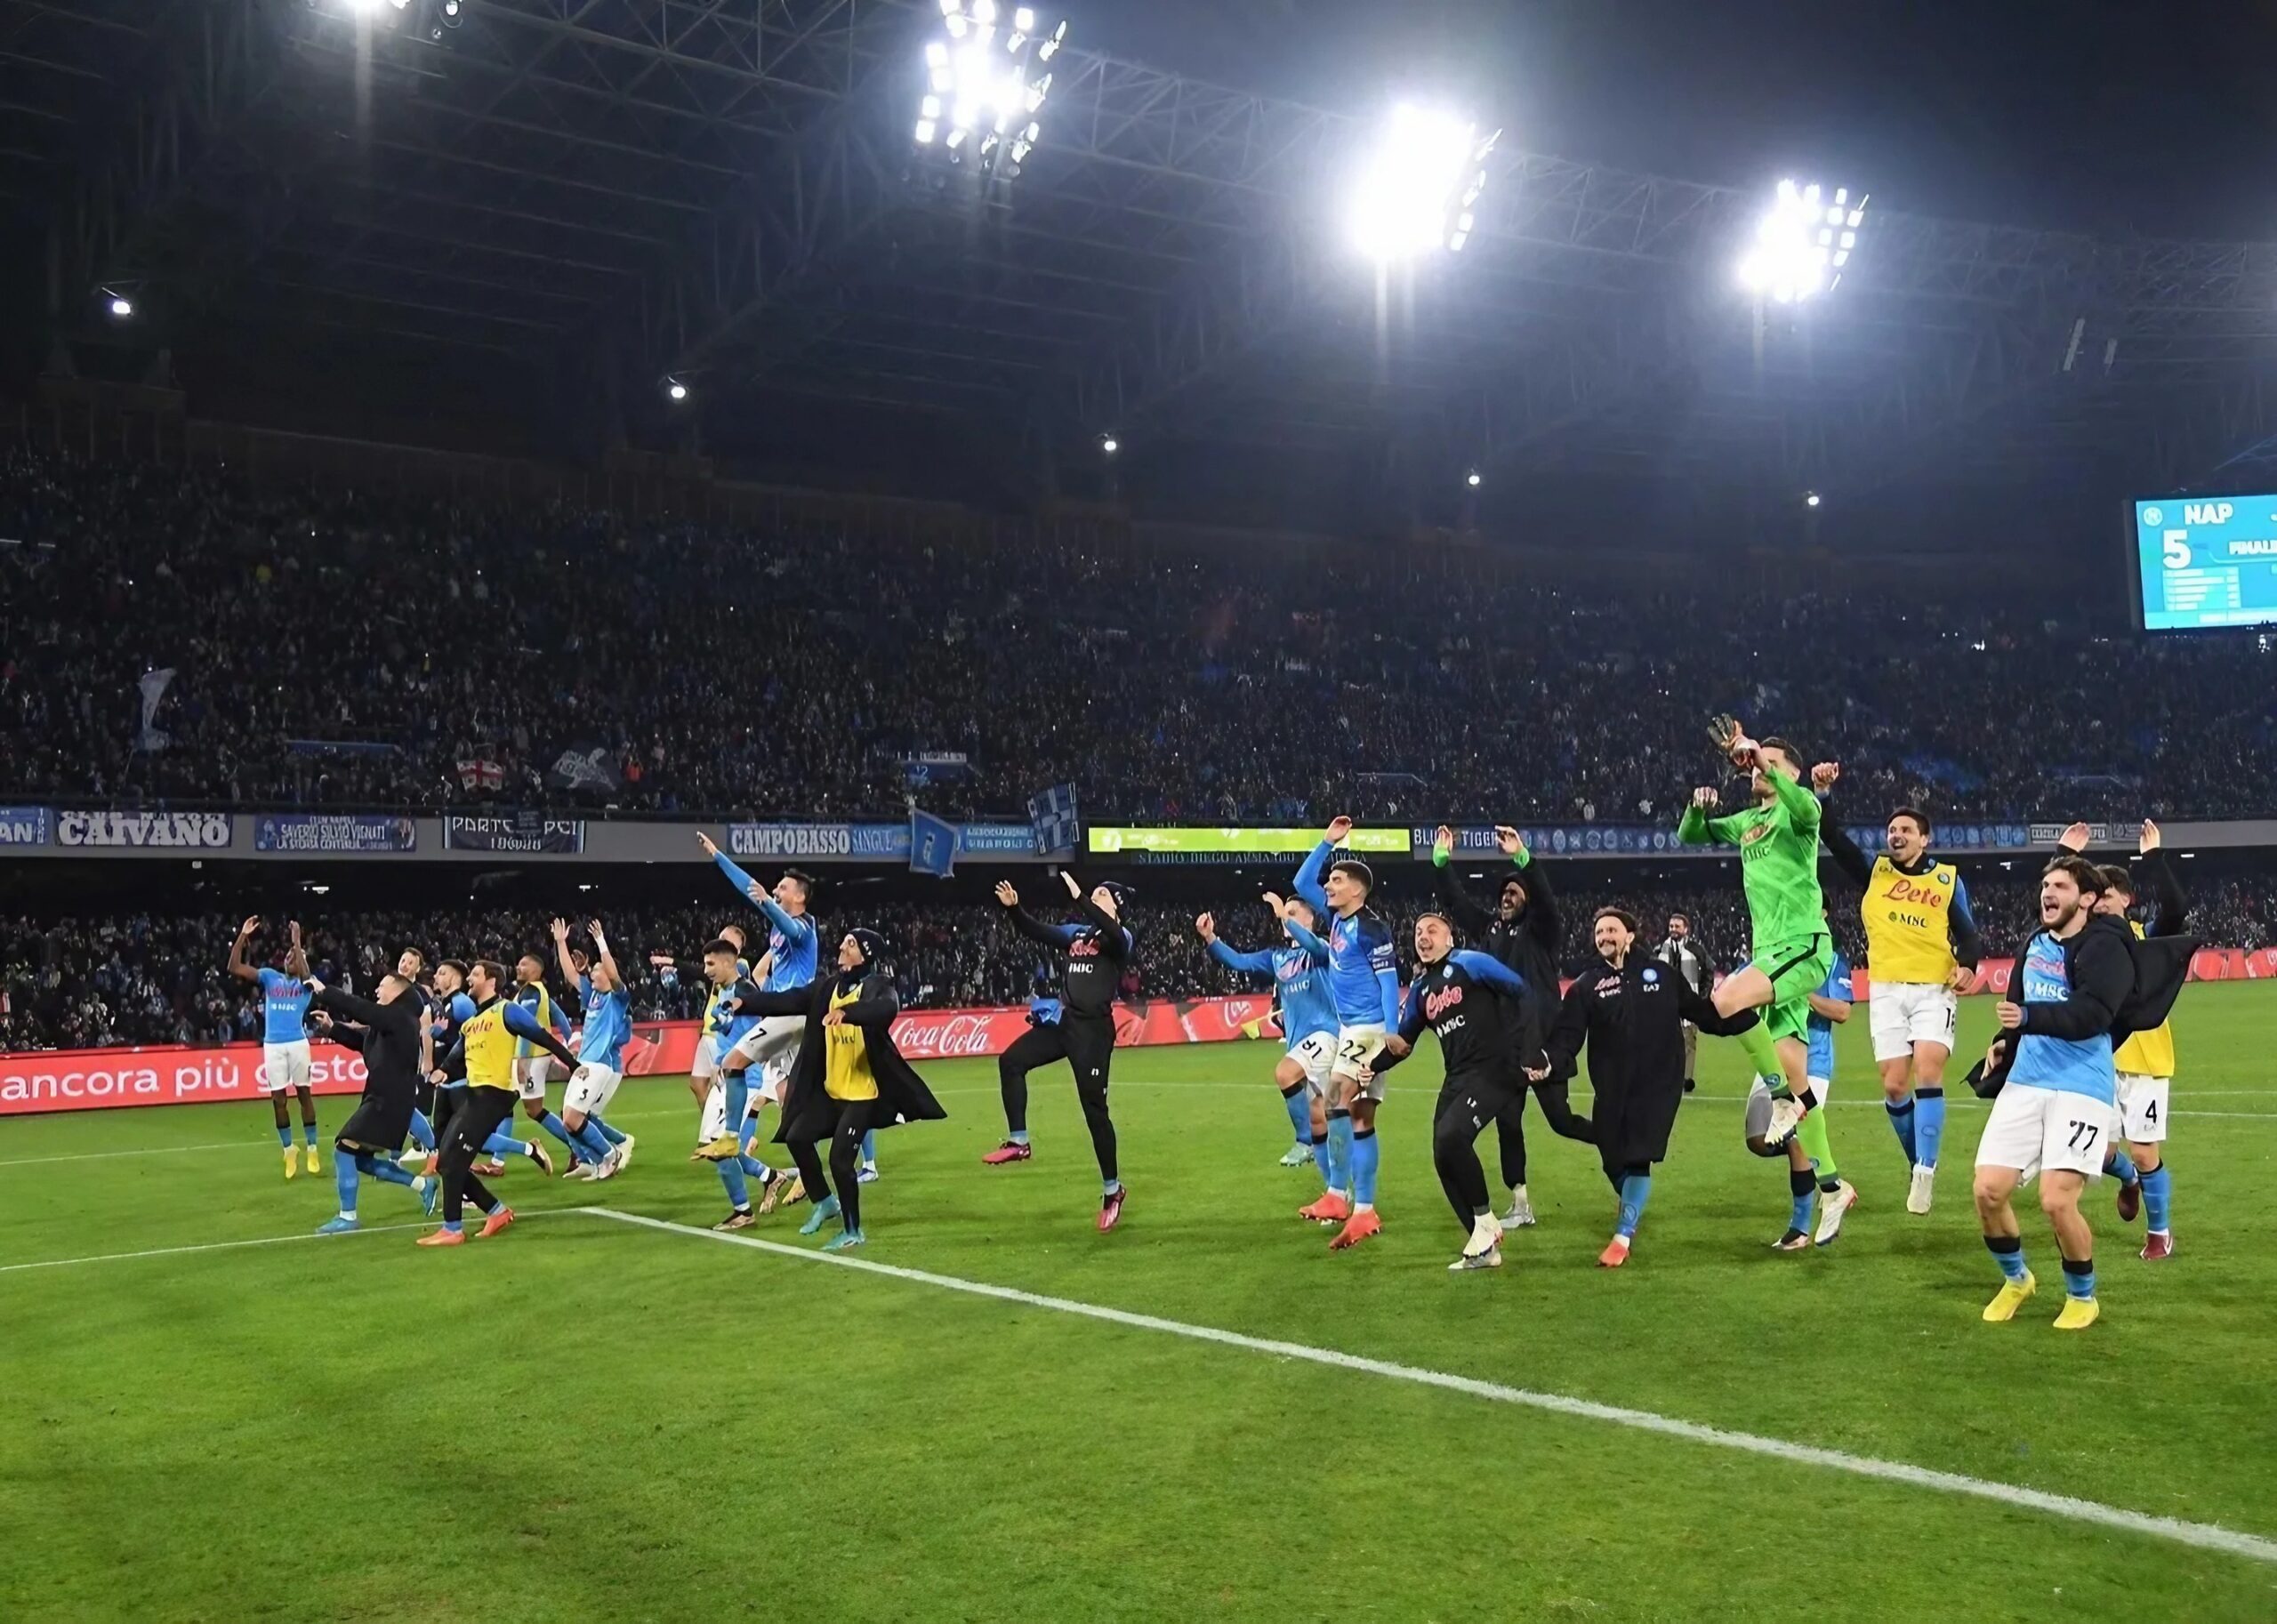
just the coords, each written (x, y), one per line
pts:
(727, 191)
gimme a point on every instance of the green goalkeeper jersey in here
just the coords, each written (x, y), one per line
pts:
(1778, 844)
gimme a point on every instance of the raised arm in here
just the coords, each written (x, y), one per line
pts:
(1468, 917)
(1257, 963)
(296, 956)
(2172, 909)
(561, 951)
(1697, 828)
(1848, 855)
(1310, 872)
(1027, 923)
(1544, 920)
(1802, 807)
(605, 956)
(239, 967)
(332, 1001)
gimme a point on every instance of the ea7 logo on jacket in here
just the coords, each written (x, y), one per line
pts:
(1436, 1003)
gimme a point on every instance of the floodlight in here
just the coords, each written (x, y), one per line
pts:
(1810, 499)
(1050, 47)
(1802, 242)
(1471, 478)
(1108, 443)
(450, 8)
(675, 389)
(1417, 190)
(978, 84)
(120, 306)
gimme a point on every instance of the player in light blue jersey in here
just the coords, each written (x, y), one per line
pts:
(286, 1064)
(1299, 971)
(2057, 1111)
(770, 1042)
(601, 1151)
(1363, 985)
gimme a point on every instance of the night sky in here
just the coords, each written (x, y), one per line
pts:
(2115, 117)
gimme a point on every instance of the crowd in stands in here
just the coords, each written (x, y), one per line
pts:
(74, 981)
(385, 653)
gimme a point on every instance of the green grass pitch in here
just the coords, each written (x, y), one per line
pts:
(591, 1419)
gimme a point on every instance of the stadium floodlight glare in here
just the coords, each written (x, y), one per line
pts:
(1802, 242)
(980, 83)
(1810, 499)
(118, 304)
(1109, 443)
(675, 389)
(1471, 478)
(1419, 189)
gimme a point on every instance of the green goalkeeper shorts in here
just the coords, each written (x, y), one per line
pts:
(1797, 970)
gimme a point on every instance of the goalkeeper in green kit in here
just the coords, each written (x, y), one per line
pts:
(1792, 952)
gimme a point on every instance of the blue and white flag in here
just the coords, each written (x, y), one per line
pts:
(932, 845)
(1052, 817)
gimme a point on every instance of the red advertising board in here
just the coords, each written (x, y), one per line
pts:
(166, 1075)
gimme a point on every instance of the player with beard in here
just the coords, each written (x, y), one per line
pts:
(1631, 1011)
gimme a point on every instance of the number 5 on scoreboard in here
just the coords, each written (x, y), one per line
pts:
(2177, 549)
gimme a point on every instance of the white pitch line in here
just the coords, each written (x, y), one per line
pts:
(227, 1246)
(2207, 1536)
(1580, 1092)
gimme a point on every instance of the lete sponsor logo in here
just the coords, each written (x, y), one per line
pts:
(203, 830)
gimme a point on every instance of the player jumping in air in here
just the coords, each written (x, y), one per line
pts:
(1364, 981)
(1098, 948)
(2146, 1060)
(1300, 972)
(735, 1003)
(285, 1035)
(1777, 839)
(1922, 953)
(772, 1043)
(1830, 1006)
(2054, 1115)
(1476, 1005)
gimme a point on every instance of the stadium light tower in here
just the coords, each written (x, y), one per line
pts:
(986, 84)
(1802, 242)
(1418, 190)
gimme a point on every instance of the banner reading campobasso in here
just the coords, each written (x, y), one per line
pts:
(869, 842)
